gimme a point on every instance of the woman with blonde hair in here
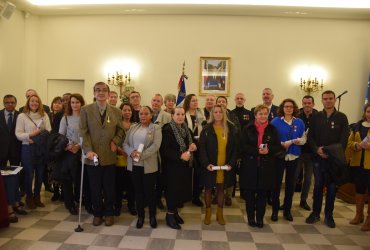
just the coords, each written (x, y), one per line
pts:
(218, 153)
(30, 126)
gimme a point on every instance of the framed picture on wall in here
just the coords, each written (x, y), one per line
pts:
(214, 76)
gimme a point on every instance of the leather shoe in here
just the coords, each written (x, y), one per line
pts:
(329, 221)
(97, 221)
(132, 211)
(171, 221)
(109, 221)
(274, 216)
(312, 218)
(178, 219)
(153, 222)
(140, 222)
(259, 224)
(288, 216)
(303, 204)
(72, 210)
(19, 210)
(252, 222)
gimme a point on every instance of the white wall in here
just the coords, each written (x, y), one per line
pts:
(264, 51)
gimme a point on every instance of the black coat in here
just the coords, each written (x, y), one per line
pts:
(176, 172)
(10, 146)
(208, 151)
(258, 172)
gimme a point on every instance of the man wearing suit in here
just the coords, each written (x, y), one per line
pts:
(161, 118)
(10, 151)
(101, 130)
(11, 147)
(267, 97)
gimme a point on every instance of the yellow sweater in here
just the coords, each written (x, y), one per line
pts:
(355, 154)
(221, 148)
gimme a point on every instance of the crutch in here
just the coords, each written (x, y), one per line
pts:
(79, 228)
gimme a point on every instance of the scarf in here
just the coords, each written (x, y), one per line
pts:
(180, 134)
(260, 131)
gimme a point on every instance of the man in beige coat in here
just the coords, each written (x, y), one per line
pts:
(101, 130)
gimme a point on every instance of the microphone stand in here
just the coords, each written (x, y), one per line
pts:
(340, 98)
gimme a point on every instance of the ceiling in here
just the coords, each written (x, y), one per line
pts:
(169, 9)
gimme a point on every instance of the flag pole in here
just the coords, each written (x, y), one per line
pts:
(183, 71)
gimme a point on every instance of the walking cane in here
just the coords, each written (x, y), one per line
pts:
(79, 228)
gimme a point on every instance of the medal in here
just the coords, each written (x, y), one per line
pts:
(108, 120)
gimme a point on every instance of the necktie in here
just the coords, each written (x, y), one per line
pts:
(10, 121)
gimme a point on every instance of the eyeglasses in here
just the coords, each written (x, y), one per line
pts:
(134, 96)
(10, 103)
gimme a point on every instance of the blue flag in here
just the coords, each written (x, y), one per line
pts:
(367, 96)
(182, 90)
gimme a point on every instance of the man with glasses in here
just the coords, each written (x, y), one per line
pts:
(10, 153)
(101, 130)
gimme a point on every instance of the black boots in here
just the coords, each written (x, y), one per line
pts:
(172, 222)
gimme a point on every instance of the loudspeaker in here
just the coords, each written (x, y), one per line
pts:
(7, 10)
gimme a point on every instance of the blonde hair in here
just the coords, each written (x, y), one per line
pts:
(225, 120)
(40, 109)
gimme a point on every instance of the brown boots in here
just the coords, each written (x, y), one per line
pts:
(33, 202)
(38, 202)
(30, 203)
(366, 225)
(359, 217)
(207, 217)
(220, 216)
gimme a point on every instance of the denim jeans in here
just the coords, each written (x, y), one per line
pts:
(29, 170)
(322, 179)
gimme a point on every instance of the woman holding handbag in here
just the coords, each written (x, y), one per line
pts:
(30, 129)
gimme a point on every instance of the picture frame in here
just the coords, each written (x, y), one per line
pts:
(214, 76)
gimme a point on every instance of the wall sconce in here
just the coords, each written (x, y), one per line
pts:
(310, 77)
(123, 82)
(309, 85)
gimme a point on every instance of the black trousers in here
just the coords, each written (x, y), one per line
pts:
(255, 203)
(102, 179)
(290, 168)
(124, 184)
(71, 183)
(145, 192)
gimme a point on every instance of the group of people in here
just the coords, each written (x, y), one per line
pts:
(145, 153)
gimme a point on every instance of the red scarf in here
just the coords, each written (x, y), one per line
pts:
(260, 130)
